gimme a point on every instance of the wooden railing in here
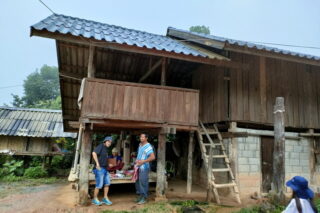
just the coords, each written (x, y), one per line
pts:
(116, 100)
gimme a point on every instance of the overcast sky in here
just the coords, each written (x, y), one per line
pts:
(293, 22)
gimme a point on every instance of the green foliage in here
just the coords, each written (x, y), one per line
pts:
(263, 208)
(11, 168)
(35, 172)
(317, 203)
(41, 90)
(200, 29)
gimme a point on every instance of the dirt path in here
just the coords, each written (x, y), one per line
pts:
(62, 198)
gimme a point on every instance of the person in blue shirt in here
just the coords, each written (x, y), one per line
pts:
(145, 155)
(100, 156)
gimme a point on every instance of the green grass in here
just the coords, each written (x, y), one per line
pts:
(169, 207)
(31, 181)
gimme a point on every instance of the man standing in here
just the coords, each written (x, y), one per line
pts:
(100, 156)
(145, 155)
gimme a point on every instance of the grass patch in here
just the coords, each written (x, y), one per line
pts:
(159, 207)
(169, 207)
(31, 181)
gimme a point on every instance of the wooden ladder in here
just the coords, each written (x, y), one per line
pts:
(207, 149)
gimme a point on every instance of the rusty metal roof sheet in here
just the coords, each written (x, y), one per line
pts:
(32, 123)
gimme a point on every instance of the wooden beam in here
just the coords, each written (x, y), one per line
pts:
(74, 76)
(148, 73)
(190, 160)
(161, 168)
(269, 54)
(135, 49)
(278, 179)
(263, 90)
(91, 67)
(84, 167)
(163, 72)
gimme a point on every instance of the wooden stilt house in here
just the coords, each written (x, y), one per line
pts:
(221, 90)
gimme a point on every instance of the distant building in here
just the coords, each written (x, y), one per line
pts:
(30, 131)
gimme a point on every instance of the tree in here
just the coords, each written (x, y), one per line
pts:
(41, 90)
(200, 29)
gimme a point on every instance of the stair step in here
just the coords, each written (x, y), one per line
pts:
(209, 133)
(208, 144)
(221, 170)
(224, 185)
(219, 156)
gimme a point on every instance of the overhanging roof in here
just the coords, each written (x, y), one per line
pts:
(32, 123)
(240, 46)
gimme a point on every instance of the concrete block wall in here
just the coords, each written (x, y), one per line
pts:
(297, 158)
(249, 165)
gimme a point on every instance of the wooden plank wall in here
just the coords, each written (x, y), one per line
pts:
(19, 144)
(253, 92)
(106, 99)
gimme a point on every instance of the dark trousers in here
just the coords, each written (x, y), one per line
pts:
(142, 184)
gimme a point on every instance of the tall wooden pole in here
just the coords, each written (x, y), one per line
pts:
(84, 167)
(163, 72)
(279, 152)
(161, 169)
(190, 159)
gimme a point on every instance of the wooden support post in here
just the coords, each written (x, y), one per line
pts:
(279, 152)
(126, 151)
(234, 151)
(312, 156)
(91, 67)
(163, 72)
(84, 167)
(190, 159)
(161, 161)
(209, 175)
(76, 157)
(44, 159)
(263, 90)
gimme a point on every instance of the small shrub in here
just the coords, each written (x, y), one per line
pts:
(12, 167)
(11, 178)
(35, 172)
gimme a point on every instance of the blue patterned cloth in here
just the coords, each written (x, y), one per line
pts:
(144, 153)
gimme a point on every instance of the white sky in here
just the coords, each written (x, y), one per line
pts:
(277, 21)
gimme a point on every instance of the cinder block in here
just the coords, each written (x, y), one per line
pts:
(297, 169)
(253, 146)
(240, 146)
(244, 168)
(289, 148)
(297, 149)
(304, 163)
(254, 161)
(243, 161)
(254, 168)
(287, 155)
(294, 155)
(305, 169)
(304, 156)
(288, 169)
(293, 162)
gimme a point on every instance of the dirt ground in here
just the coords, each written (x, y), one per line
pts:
(62, 198)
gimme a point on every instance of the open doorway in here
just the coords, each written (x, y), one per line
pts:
(267, 147)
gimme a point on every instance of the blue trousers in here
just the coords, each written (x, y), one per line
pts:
(142, 184)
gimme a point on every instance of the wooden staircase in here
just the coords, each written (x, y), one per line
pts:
(212, 149)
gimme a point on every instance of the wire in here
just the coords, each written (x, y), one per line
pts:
(10, 86)
(47, 6)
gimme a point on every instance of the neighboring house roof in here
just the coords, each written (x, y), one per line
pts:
(32, 123)
(110, 33)
(221, 42)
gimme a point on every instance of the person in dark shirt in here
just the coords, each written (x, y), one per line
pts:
(100, 156)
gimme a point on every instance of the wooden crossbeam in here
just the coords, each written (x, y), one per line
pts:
(148, 73)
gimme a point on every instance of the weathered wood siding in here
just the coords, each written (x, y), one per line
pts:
(252, 92)
(106, 99)
(19, 144)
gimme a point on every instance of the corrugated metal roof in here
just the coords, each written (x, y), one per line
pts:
(32, 123)
(111, 33)
(245, 44)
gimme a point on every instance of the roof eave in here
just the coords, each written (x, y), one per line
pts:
(131, 48)
(264, 53)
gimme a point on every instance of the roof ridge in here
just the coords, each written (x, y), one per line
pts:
(30, 109)
(249, 44)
